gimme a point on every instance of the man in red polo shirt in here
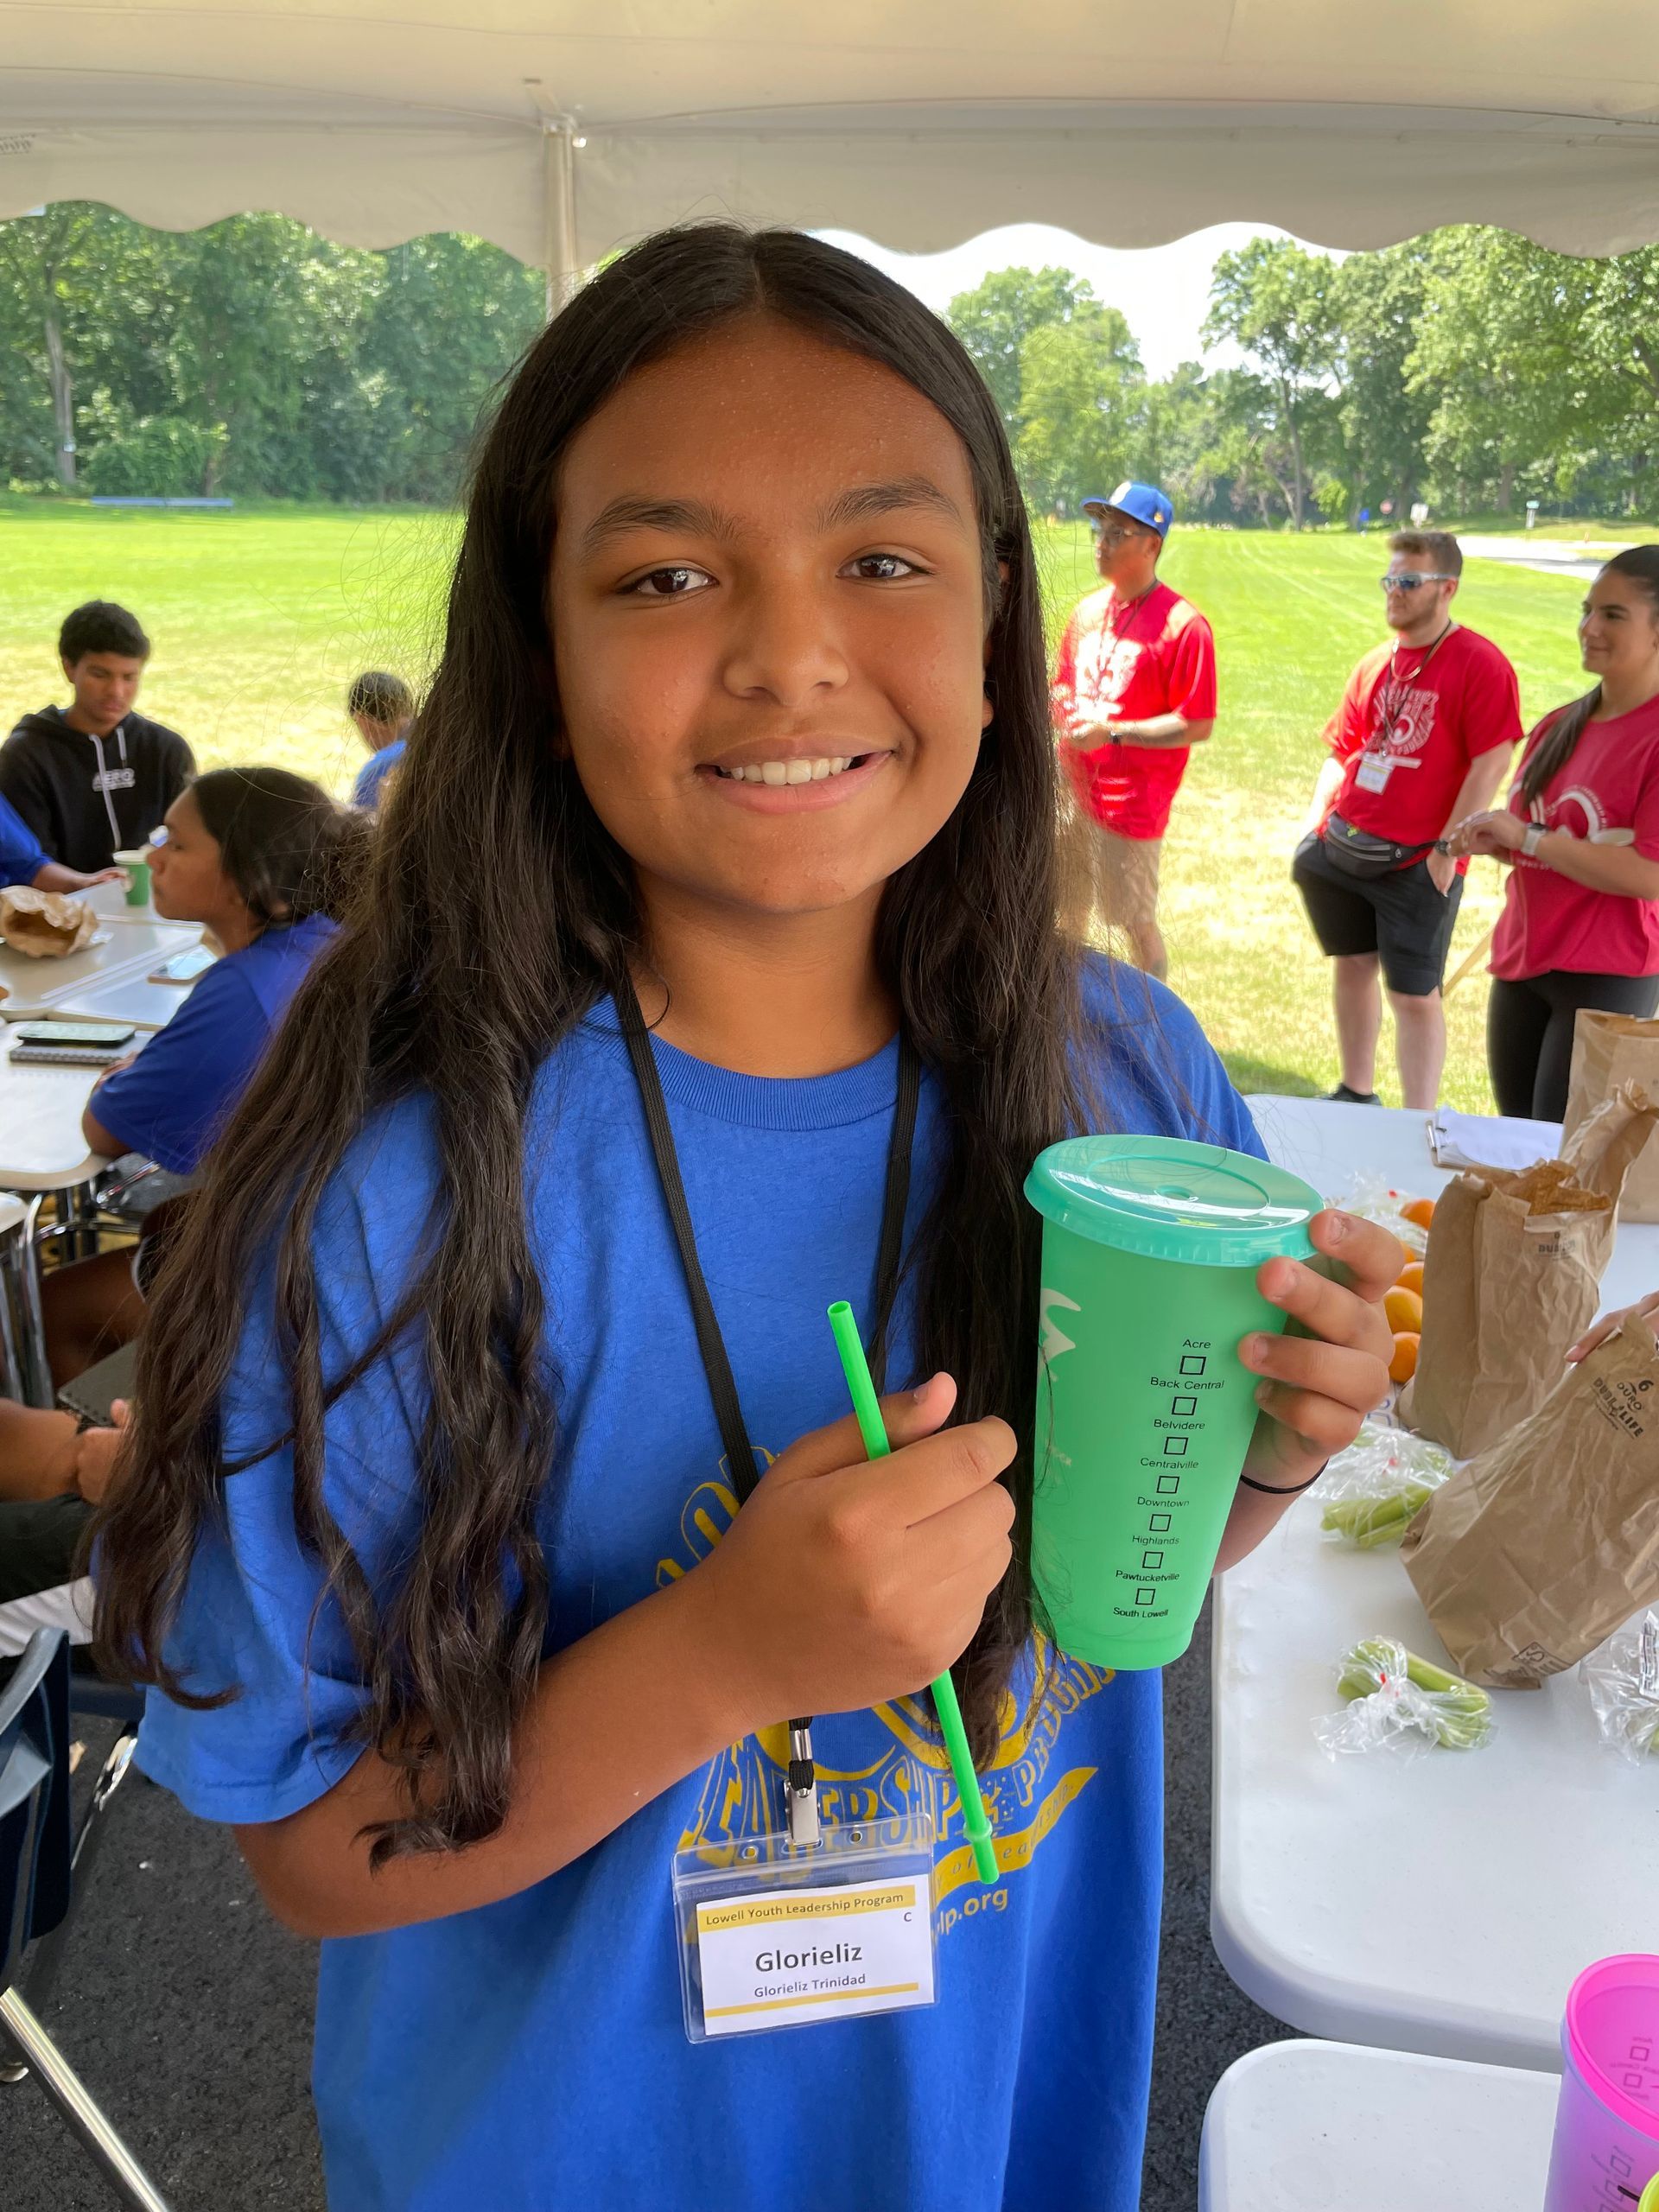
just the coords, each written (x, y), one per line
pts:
(1422, 738)
(1134, 688)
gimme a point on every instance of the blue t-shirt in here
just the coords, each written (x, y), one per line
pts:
(366, 792)
(530, 2055)
(22, 855)
(173, 1100)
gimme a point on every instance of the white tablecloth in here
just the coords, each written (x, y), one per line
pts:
(1441, 1904)
(41, 1145)
(1324, 2127)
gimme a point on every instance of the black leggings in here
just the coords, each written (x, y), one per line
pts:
(1529, 1034)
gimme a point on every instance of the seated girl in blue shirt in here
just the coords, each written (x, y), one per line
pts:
(264, 861)
(742, 724)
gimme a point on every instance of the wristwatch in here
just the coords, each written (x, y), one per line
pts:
(1533, 839)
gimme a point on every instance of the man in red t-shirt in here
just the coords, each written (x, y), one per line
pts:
(1134, 688)
(1422, 738)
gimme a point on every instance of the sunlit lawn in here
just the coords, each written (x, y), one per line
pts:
(261, 617)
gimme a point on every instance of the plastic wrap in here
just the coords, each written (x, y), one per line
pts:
(1398, 1700)
(1623, 1679)
(1373, 1199)
(1369, 1493)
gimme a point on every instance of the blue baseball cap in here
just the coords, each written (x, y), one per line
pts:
(1144, 501)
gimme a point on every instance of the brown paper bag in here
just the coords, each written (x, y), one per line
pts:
(1533, 1554)
(46, 924)
(1609, 1049)
(1507, 1288)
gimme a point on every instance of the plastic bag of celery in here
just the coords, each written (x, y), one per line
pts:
(1397, 1698)
(1623, 1680)
(1370, 1492)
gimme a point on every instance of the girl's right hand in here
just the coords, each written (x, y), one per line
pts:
(844, 1582)
(1645, 1310)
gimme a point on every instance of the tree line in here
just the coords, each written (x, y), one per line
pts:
(1468, 368)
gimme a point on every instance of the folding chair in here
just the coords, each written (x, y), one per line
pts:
(37, 1863)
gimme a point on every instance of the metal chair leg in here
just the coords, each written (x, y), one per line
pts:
(42, 1975)
(73, 2098)
(36, 1366)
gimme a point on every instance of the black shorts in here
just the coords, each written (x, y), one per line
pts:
(1400, 915)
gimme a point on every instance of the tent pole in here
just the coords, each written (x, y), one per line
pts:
(559, 171)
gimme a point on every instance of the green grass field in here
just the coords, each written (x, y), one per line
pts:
(261, 617)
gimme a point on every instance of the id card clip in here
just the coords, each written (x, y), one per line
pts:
(801, 1790)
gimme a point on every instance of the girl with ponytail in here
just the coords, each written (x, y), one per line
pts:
(494, 1505)
(1580, 837)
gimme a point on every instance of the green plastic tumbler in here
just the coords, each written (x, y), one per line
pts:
(1144, 1409)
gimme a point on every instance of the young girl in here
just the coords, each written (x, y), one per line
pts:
(1580, 835)
(743, 710)
(264, 861)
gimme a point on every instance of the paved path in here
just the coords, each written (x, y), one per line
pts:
(1577, 557)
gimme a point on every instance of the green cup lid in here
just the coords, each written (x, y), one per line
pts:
(1170, 1199)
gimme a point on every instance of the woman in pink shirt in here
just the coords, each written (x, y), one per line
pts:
(1580, 835)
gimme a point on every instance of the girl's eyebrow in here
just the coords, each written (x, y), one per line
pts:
(693, 517)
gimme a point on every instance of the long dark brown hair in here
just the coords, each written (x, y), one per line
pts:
(1556, 747)
(434, 989)
(289, 849)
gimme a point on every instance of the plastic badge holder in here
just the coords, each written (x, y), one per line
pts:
(783, 1926)
(1606, 2145)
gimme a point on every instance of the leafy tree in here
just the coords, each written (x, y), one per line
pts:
(1081, 387)
(1275, 303)
(996, 317)
(1378, 301)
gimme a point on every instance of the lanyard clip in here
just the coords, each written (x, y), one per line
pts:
(801, 1789)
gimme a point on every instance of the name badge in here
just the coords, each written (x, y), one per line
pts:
(773, 1936)
(1374, 772)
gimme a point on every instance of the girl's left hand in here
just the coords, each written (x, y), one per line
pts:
(1321, 1381)
(1488, 836)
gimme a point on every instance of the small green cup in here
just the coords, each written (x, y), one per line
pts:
(137, 864)
(1144, 1409)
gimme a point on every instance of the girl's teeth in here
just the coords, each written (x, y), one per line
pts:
(777, 772)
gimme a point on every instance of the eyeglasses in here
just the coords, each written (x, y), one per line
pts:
(1113, 533)
(1410, 579)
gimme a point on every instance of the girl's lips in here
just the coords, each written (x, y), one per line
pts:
(795, 799)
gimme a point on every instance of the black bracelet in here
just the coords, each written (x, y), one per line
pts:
(1271, 1490)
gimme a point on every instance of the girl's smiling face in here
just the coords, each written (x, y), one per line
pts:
(768, 612)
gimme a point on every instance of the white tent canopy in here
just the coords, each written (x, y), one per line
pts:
(559, 128)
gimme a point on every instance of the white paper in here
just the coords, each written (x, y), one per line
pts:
(775, 1958)
(1490, 1139)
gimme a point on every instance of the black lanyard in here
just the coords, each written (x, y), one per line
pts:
(722, 1384)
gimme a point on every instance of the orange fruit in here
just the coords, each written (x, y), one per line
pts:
(1403, 1365)
(1404, 1309)
(1420, 1210)
(1411, 1277)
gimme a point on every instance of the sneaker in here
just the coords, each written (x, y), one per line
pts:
(1343, 1096)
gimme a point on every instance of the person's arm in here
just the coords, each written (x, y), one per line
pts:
(838, 1585)
(1321, 1379)
(99, 1137)
(1475, 794)
(53, 876)
(1156, 729)
(37, 1453)
(1645, 1313)
(1618, 869)
(1063, 691)
(1326, 784)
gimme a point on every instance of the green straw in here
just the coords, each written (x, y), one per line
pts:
(867, 1407)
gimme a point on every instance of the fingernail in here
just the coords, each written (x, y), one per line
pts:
(921, 1391)
(1263, 1391)
(1340, 1225)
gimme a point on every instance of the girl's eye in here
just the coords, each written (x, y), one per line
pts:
(669, 583)
(882, 568)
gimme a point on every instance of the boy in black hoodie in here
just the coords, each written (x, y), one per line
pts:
(93, 779)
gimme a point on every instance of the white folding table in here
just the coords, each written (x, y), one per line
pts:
(75, 989)
(42, 1153)
(1441, 1904)
(1325, 2128)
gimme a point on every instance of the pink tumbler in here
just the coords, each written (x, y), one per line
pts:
(1606, 2145)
